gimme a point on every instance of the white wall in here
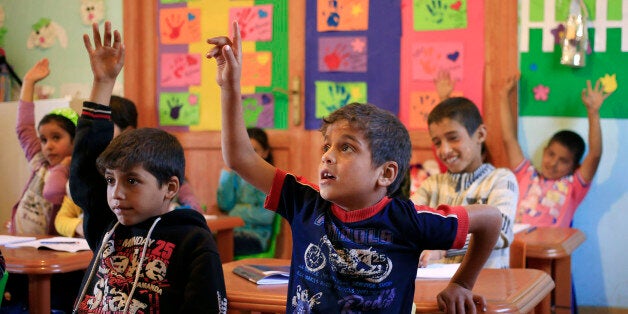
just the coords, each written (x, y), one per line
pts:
(599, 264)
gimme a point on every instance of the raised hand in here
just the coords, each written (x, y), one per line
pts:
(444, 84)
(106, 56)
(38, 72)
(228, 55)
(593, 97)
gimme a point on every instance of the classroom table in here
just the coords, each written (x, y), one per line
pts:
(506, 290)
(39, 266)
(222, 226)
(549, 249)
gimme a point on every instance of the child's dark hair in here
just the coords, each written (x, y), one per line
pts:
(388, 139)
(572, 141)
(262, 138)
(459, 109)
(159, 152)
(123, 112)
(61, 121)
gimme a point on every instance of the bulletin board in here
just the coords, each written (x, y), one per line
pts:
(548, 88)
(188, 97)
(440, 35)
(352, 55)
(388, 53)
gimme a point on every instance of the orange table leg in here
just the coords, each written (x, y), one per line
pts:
(224, 241)
(39, 294)
(545, 307)
(562, 279)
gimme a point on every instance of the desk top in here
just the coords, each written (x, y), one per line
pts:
(506, 290)
(29, 260)
(223, 222)
(551, 242)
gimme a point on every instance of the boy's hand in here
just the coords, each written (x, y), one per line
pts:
(444, 84)
(457, 299)
(228, 55)
(593, 97)
(106, 57)
(38, 72)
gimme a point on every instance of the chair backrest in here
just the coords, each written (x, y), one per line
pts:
(517, 254)
(3, 284)
(272, 243)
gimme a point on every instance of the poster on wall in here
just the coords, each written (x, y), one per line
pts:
(352, 55)
(549, 88)
(188, 96)
(446, 35)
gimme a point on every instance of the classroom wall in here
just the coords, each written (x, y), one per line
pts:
(599, 272)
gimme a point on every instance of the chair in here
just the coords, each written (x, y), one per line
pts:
(518, 254)
(272, 243)
(3, 284)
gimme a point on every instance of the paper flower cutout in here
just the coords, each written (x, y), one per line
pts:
(609, 83)
(541, 92)
(558, 33)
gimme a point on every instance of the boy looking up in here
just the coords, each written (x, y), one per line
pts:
(147, 257)
(458, 134)
(355, 249)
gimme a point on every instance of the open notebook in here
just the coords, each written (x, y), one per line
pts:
(56, 243)
(437, 271)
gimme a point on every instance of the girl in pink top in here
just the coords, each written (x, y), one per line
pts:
(549, 195)
(48, 150)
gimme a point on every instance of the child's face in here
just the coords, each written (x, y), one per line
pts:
(259, 149)
(558, 161)
(56, 143)
(459, 151)
(347, 175)
(135, 195)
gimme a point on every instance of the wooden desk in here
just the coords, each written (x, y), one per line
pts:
(549, 249)
(506, 290)
(39, 265)
(223, 226)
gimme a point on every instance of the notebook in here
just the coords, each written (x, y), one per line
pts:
(264, 274)
(65, 244)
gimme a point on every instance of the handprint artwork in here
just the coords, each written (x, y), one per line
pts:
(256, 22)
(180, 25)
(333, 95)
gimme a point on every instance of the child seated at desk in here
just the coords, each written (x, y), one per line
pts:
(353, 245)
(550, 195)
(147, 257)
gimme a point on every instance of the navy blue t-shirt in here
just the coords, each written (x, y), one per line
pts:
(362, 261)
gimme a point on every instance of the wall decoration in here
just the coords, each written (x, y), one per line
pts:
(431, 15)
(45, 33)
(540, 27)
(259, 110)
(256, 22)
(334, 95)
(178, 109)
(184, 26)
(180, 25)
(381, 33)
(342, 54)
(92, 11)
(430, 57)
(342, 15)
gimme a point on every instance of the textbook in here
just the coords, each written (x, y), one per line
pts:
(264, 274)
(437, 271)
(65, 244)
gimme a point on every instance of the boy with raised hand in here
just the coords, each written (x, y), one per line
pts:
(148, 258)
(549, 195)
(355, 249)
(458, 134)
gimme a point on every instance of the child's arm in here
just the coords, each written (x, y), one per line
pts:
(484, 224)
(509, 126)
(236, 146)
(444, 84)
(68, 221)
(593, 99)
(106, 60)
(25, 126)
